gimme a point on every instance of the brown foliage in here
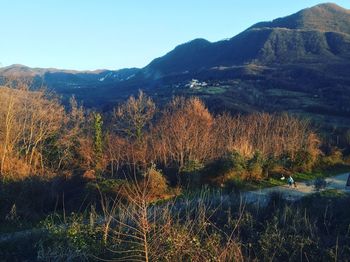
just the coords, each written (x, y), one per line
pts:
(134, 115)
(270, 134)
(27, 120)
(184, 132)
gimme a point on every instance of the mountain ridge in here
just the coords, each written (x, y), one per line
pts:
(248, 46)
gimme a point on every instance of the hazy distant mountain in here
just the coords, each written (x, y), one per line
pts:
(59, 79)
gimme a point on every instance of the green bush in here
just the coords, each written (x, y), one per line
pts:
(237, 162)
(255, 166)
(335, 157)
(106, 185)
(155, 182)
(303, 161)
(71, 239)
(232, 166)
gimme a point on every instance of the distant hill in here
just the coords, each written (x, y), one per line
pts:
(299, 63)
(59, 79)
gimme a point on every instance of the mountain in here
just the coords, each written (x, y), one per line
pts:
(59, 79)
(299, 63)
(317, 34)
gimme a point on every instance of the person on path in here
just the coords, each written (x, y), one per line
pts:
(291, 181)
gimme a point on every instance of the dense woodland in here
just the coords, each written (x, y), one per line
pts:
(150, 183)
(39, 137)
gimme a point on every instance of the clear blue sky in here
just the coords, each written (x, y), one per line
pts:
(94, 34)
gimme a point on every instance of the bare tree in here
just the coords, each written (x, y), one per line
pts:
(184, 132)
(29, 118)
(134, 115)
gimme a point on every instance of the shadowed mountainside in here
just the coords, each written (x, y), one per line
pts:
(314, 34)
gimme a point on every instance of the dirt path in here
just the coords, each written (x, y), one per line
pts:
(303, 188)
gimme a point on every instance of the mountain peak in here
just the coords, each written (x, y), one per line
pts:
(15, 66)
(326, 17)
(327, 10)
(330, 6)
(195, 43)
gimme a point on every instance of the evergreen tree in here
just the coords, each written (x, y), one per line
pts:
(98, 139)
